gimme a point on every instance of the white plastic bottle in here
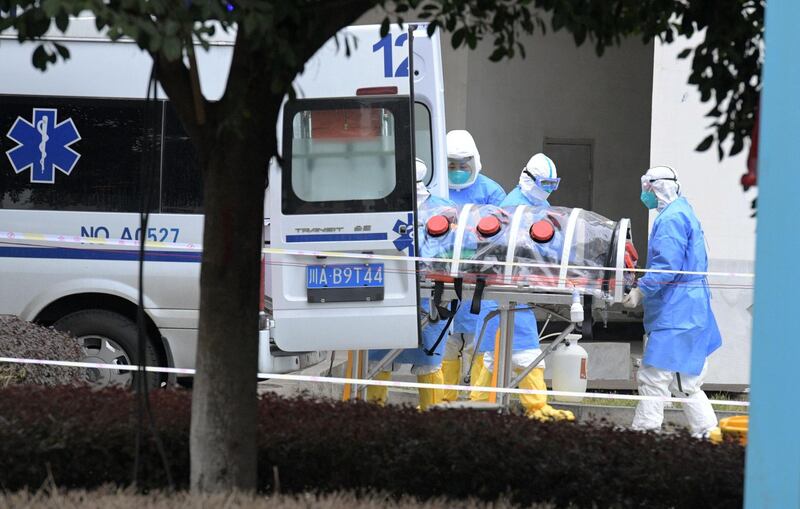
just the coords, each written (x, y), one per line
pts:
(569, 365)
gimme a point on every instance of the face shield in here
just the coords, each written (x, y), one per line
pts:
(461, 172)
(660, 187)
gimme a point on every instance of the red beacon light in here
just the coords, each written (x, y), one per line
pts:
(437, 226)
(376, 91)
(488, 226)
(542, 231)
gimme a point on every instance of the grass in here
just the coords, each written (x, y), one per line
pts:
(112, 498)
(726, 396)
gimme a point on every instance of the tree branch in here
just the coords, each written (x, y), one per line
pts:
(175, 78)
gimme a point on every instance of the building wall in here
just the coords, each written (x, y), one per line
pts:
(560, 91)
(712, 187)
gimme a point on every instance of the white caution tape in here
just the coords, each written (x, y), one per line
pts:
(20, 238)
(382, 383)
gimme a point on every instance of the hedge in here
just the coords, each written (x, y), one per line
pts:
(86, 439)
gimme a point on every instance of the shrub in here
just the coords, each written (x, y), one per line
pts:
(87, 439)
(21, 339)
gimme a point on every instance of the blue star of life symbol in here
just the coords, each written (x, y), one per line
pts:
(43, 146)
(405, 242)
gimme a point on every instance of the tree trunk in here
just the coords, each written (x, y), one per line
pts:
(223, 430)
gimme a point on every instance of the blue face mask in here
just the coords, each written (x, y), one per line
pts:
(459, 177)
(649, 199)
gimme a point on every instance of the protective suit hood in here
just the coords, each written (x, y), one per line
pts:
(421, 170)
(663, 181)
(539, 168)
(461, 147)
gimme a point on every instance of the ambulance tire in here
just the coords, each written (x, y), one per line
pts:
(107, 337)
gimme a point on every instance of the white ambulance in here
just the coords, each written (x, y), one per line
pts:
(74, 144)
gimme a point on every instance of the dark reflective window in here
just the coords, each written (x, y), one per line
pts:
(335, 142)
(111, 147)
(181, 180)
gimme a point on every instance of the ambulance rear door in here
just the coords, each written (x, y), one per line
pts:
(347, 186)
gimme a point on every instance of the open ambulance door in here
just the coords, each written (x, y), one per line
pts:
(346, 186)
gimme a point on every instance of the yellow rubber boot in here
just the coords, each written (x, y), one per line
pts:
(484, 379)
(451, 369)
(535, 405)
(379, 394)
(430, 397)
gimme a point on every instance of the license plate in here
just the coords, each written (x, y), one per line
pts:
(344, 275)
(345, 282)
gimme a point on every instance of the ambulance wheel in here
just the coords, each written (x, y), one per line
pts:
(108, 338)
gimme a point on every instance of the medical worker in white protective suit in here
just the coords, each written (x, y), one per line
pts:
(680, 325)
(426, 367)
(467, 185)
(536, 181)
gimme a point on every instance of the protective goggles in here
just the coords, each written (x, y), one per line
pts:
(466, 163)
(547, 185)
(647, 183)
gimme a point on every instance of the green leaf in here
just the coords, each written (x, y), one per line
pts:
(458, 37)
(50, 8)
(385, 27)
(62, 21)
(738, 144)
(472, 39)
(685, 53)
(62, 50)
(40, 57)
(432, 28)
(172, 48)
(579, 35)
(497, 54)
(705, 144)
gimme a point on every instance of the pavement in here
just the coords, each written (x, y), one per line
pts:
(616, 415)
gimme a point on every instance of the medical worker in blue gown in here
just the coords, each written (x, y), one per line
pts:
(467, 185)
(680, 325)
(426, 367)
(537, 180)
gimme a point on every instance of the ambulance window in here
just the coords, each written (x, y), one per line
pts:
(181, 179)
(423, 142)
(347, 155)
(333, 149)
(111, 143)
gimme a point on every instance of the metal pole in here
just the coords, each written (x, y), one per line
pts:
(772, 475)
(363, 362)
(499, 354)
(505, 354)
(387, 360)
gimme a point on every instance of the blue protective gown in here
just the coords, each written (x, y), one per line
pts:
(428, 249)
(526, 331)
(678, 319)
(484, 191)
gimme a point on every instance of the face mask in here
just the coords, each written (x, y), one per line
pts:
(649, 199)
(459, 177)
